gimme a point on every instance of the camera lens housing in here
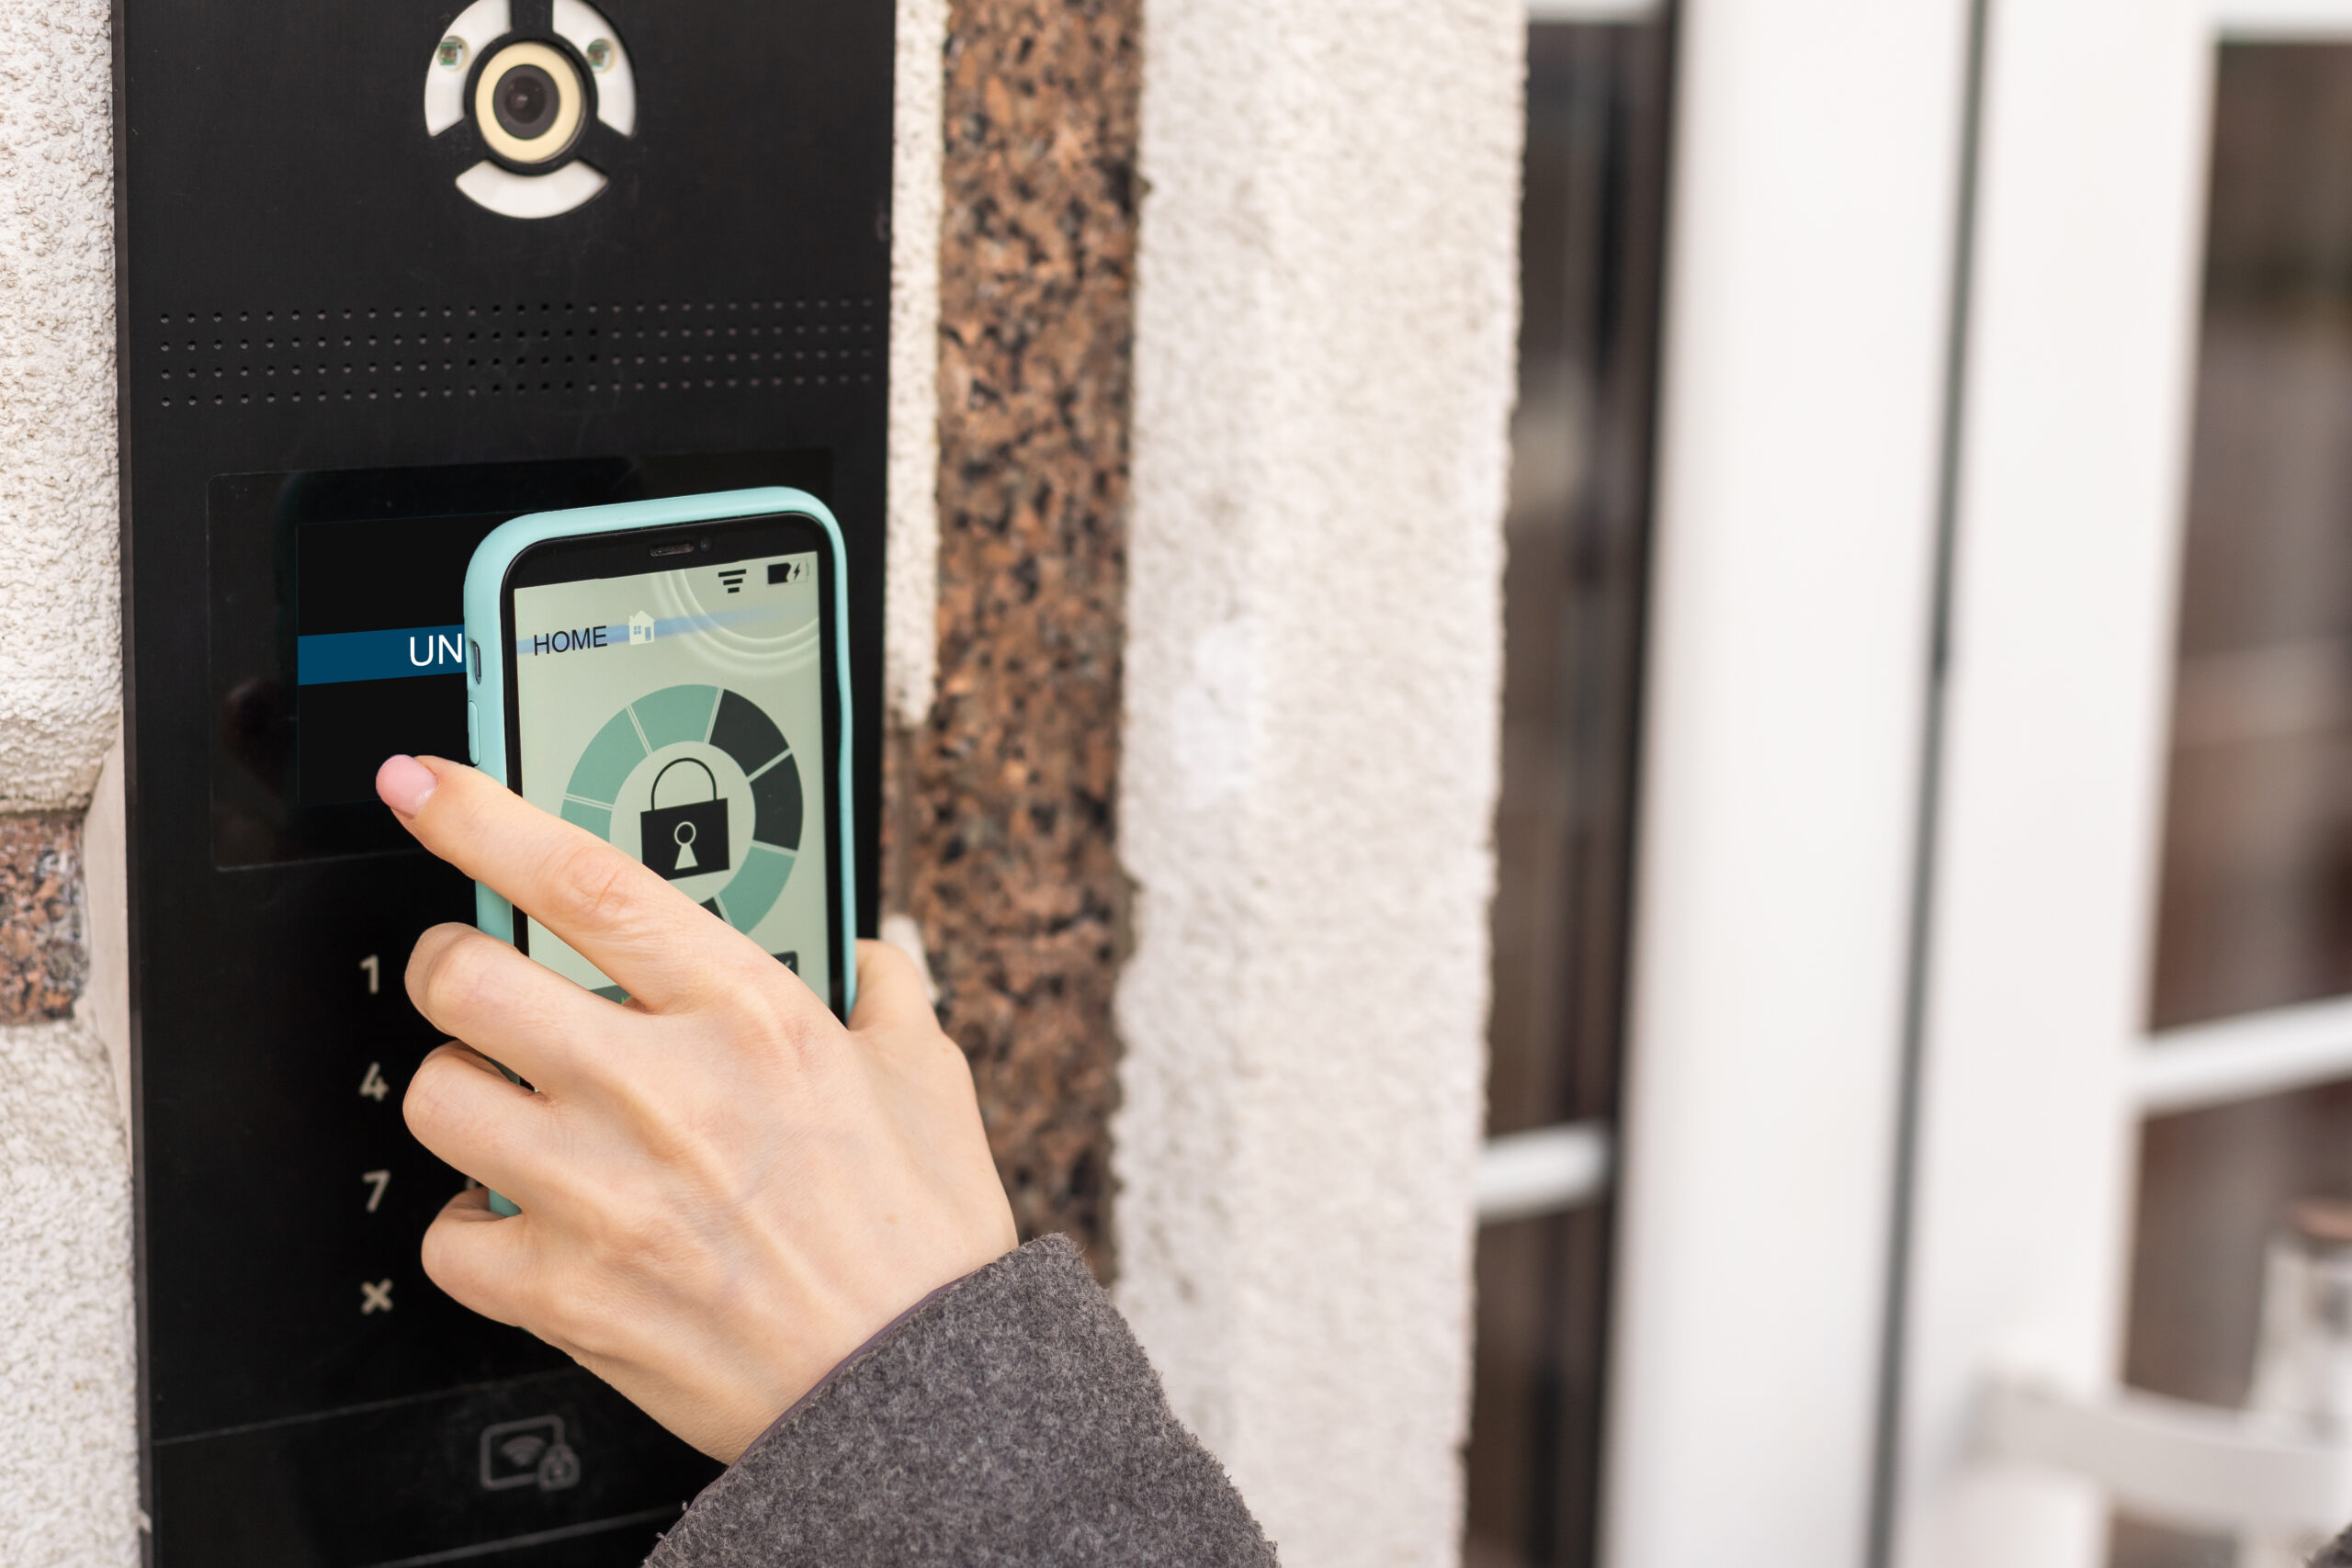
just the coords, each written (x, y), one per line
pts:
(526, 100)
(530, 102)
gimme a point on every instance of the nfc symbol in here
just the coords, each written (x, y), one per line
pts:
(528, 1453)
(689, 840)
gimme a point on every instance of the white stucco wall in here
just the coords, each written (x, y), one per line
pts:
(910, 616)
(68, 1443)
(68, 1494)
(1327, 301)
(60, 669)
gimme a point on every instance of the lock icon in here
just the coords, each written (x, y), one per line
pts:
(688, 840)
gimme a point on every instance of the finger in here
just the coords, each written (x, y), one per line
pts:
(517, 1012)
(656, 944)
(891, 992)
(479, 1260)
(463, 1109)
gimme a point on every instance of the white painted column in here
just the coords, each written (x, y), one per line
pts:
(1324, 372)
(1809, 285)
(2089, 253)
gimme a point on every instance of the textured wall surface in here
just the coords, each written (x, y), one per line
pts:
(1010, 787)
(68, 1448)
(910, 635)
(1325, 312)
(67, 1488)
(59, 673)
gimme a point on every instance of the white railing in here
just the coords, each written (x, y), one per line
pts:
(2283, 21)
(1592, 10)
(1548, 1171)
(2244, 1058)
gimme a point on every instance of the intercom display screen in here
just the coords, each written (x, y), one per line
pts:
(379, 649)
(679, 714)
(337, 604)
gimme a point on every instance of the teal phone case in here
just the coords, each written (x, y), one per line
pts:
(486, 664)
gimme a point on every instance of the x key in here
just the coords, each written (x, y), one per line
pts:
(377, 1297)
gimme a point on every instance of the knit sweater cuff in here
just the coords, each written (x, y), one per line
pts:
(1009, 1417)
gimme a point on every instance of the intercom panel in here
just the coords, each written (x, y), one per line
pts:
(389, 276)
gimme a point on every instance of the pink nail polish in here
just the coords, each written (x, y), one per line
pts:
(405, 785)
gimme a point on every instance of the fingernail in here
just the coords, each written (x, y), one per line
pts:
(405, 785)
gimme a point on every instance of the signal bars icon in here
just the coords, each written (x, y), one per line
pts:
(734, 579)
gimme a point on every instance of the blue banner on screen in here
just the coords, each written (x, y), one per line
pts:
(333, 657)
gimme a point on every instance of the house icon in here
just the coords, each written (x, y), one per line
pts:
(641, 627)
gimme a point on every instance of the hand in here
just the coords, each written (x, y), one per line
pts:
(723, 1192)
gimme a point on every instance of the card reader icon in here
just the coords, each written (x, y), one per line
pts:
(641, 627)
(528, 1453)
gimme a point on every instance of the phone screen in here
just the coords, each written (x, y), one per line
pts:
(681, 715)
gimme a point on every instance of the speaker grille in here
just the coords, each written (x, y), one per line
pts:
(356, 353)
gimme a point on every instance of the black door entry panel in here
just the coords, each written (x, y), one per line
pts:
(338, 371)
(532, 1463)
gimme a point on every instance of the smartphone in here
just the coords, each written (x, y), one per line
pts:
(674, 677)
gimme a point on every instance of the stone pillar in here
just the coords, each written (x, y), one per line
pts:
(1327, 310)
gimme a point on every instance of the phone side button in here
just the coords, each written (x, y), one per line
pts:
(473, 733)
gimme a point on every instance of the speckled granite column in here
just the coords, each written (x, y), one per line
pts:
(42, 959)
(1009, 790)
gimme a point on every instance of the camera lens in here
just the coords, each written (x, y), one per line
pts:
(530, 102)
(524, 102)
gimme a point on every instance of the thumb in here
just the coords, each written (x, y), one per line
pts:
(890, 991)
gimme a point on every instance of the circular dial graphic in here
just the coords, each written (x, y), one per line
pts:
(726, 826)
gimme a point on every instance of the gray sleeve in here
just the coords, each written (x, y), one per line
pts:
(1010, 1418)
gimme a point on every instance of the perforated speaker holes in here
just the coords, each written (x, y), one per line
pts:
(393, 352)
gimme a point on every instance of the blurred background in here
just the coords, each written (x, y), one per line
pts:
(2227, 1116)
